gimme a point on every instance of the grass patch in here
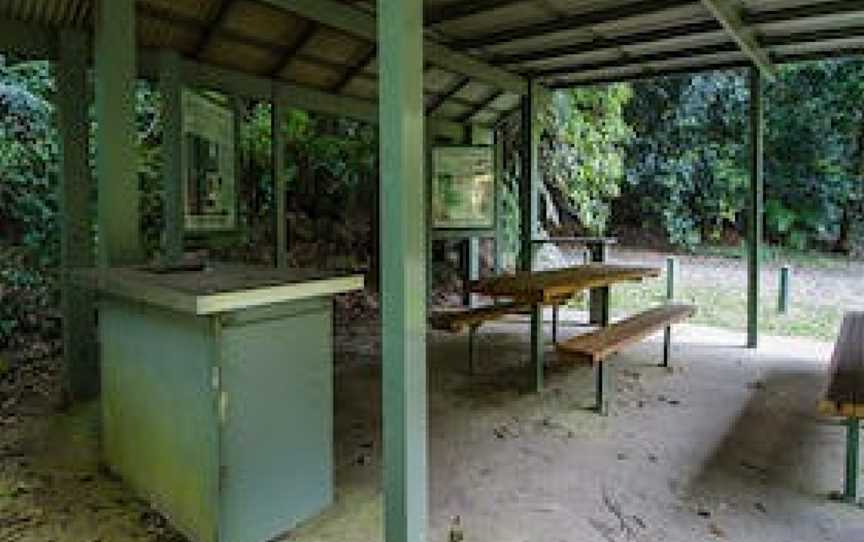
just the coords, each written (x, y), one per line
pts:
(778, 255)
(725, 308)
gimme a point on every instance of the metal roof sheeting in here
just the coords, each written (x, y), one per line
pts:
(558, 42)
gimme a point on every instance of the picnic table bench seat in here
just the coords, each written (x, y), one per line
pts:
(845, 394)
(597, 346)
(471, 318)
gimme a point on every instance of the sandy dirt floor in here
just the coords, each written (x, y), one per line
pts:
(726, 446)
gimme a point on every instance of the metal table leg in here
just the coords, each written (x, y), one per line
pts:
(537, 346)
(853, 440)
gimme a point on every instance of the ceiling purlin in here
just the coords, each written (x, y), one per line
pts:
(466, 8)
(569, 23)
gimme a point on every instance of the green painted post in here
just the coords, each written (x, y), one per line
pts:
(403, 309)
(499, 202)
(116, 141)
(853, 442)
(783, 301)
(171, 89)
(757, 180)
(76, 224)
(280, 187)
(671, 265)
(671, 271)
(528, 203)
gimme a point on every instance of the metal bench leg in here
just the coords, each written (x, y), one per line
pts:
(667, 346)
(554, 324)
(601, 373)
(853, 440)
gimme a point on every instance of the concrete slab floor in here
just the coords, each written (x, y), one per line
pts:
(725, 446)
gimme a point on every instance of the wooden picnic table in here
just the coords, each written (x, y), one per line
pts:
(845, 395)
(537, 288)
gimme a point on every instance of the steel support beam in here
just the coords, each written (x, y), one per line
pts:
(732, 20)
(171, 89)
(116, 142)
(757, 181)
(76, 225)
(359, 23)
(529, 197)
(403, 235)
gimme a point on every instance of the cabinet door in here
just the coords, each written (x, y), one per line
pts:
(277, 442)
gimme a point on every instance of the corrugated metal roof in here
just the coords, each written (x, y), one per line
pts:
(558, 42)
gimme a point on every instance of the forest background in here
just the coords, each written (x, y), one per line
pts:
(662, 163)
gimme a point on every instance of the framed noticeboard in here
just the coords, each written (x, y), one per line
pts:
(463, 187)
(209, 188)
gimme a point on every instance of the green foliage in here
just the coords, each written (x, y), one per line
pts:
(582, 151)
(687, 164)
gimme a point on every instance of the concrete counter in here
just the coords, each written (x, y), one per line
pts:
(217, 394)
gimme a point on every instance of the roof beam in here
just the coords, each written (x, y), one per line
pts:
(203, 75)
(733, 21)
(359, 23)
(27, 40)
(570, 23)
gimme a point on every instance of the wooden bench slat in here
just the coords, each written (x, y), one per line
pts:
(845, 395)
(602, 343)
(457, 320)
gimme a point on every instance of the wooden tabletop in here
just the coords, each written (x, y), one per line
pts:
(845, 396)
(544, 286)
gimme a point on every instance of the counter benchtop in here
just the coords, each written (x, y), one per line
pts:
(218, 288)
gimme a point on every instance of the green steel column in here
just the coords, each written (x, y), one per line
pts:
(528, 203)
(171, 89)
(280, 185)
(76, 223)
(400, 42)
(471, 136)
(116, 141)
(783, 296)
(757, 180)
(499, 202)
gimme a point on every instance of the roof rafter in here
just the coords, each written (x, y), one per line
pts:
(453, 91)
(732, 20)
(356, 69)
(213, 27)
(359, 23)
(477, 109)
(573, 22)
(289, 55)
